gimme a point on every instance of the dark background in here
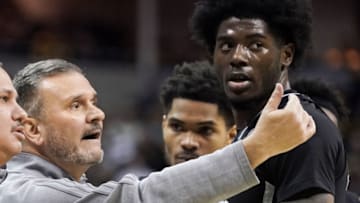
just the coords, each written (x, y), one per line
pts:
(128, 47)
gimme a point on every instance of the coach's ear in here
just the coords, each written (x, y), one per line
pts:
(32, 131)
(231, 134)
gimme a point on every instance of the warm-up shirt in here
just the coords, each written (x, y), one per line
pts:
(317, 166)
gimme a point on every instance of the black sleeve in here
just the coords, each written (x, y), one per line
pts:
(352, 197)
(310, 168)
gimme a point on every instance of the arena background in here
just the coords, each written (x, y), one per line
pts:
(128, 47)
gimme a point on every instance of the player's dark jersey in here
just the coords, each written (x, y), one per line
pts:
(352, 197)
(317, 166)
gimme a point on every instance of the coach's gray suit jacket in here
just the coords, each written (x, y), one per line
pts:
(210, 178)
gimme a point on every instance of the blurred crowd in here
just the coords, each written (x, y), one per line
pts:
(65, 29)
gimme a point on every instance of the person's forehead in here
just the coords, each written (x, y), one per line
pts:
(187, 109)
(185, 104)
(3, 73)
(64, 79)
(255, 24)
(5, 81)
(66, 85)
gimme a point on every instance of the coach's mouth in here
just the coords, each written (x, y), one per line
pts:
(92, 135)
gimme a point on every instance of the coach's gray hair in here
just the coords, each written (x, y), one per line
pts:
(26, 81)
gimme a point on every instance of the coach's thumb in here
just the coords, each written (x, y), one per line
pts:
(275, 99)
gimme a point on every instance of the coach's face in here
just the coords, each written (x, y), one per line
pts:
(70, 123)
(11, 118)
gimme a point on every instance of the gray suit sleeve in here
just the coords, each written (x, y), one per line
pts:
(210, 178)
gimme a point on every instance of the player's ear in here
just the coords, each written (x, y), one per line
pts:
(287, 55)
(232, 134)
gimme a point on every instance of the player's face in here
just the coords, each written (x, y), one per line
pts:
(11, 118)
(193, 128)
(248, 59)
